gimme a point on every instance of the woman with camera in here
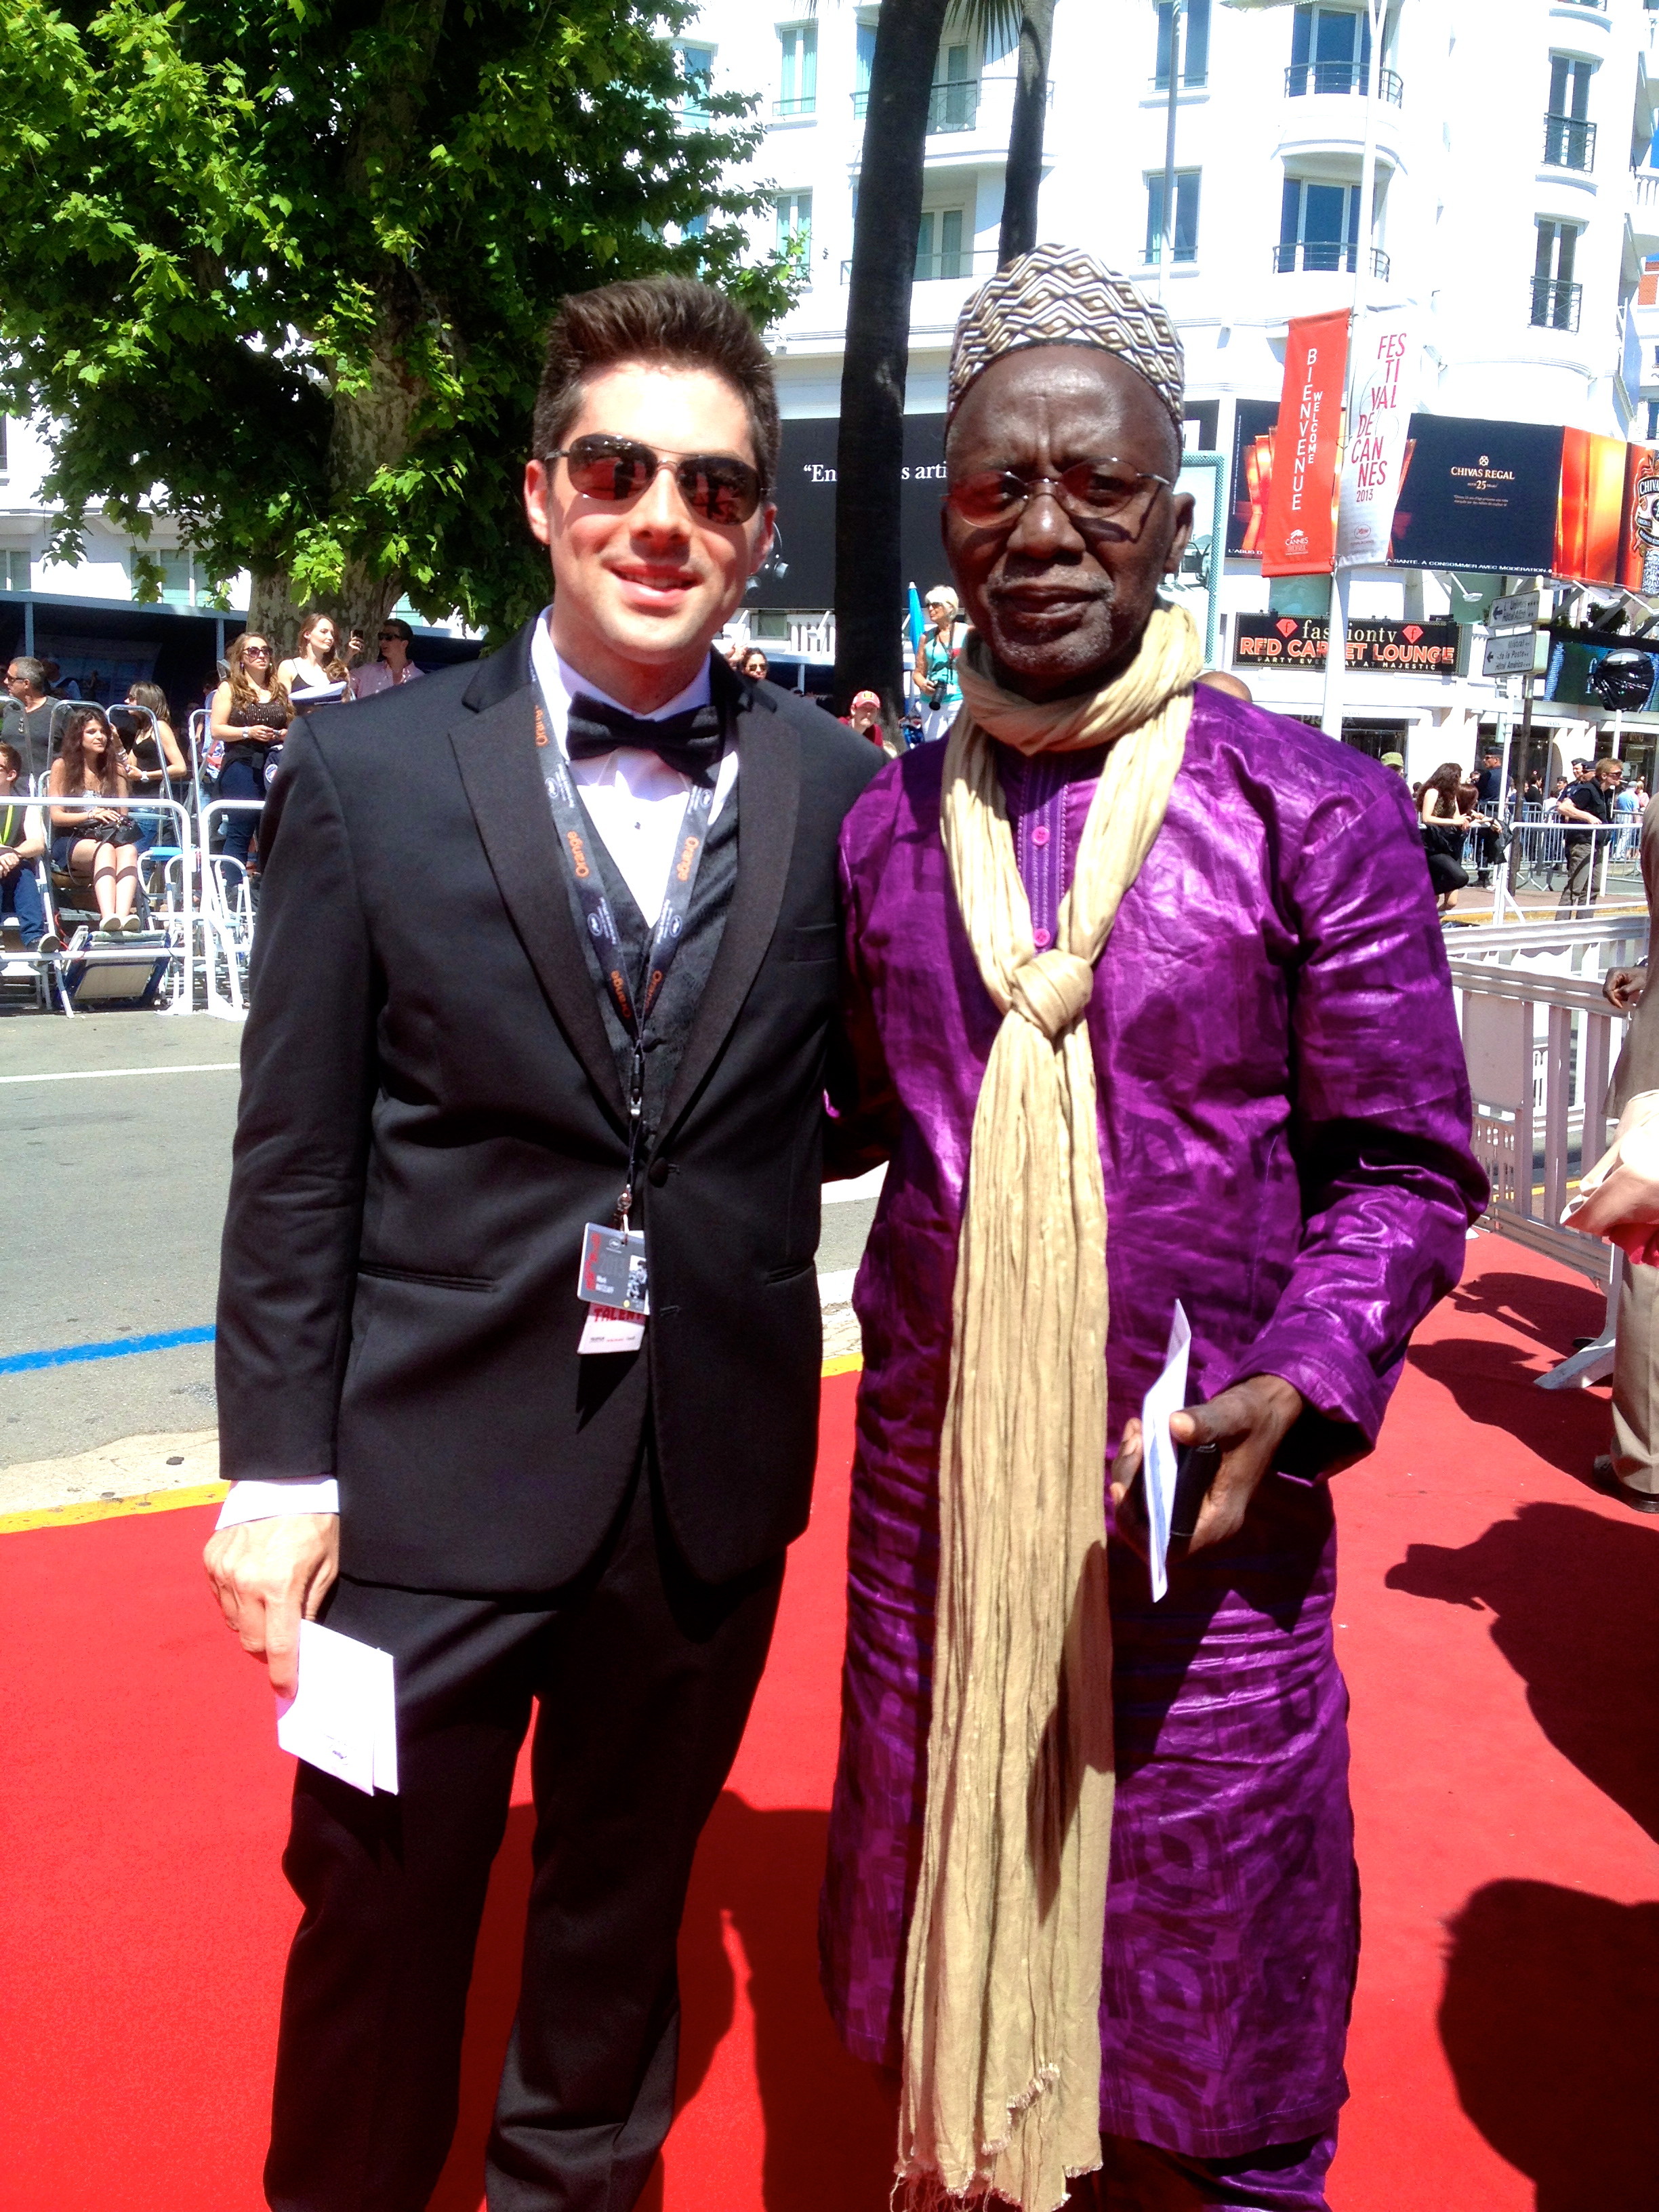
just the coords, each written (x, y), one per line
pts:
(98, 844)
(935, 670)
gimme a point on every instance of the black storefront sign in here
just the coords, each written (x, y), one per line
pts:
(1299, 642)
(806, 513)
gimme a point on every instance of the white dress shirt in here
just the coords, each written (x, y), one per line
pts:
(636, 803)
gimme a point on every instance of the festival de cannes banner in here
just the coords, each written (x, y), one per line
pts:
(1299, 531)
(1479, 494)
(1638, 558)
(1385, 373)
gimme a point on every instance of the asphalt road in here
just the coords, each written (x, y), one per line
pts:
(115, 1137)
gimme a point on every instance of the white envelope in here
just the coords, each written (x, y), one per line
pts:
(344, 1717)
(1158, 1465)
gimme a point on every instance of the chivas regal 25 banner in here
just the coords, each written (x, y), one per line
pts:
(1298, 537)
(1638, 559)
(1386, 372)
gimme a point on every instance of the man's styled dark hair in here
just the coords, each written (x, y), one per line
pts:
(673, 320)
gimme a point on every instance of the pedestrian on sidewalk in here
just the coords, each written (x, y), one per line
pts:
(1630, 1469)
(1586, 809)
(1489, 796)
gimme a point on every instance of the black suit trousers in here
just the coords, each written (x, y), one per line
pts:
(644, 1678)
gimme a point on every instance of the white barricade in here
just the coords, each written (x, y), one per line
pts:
(1541, 1041)
(226, 911)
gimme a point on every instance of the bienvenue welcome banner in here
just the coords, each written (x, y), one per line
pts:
(1297, 535)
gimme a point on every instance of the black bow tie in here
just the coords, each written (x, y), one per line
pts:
(692, 742)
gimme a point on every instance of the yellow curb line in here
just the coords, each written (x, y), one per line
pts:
(210, 1494)
(105, 1509)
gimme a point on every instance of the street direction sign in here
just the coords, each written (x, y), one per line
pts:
(1519, 613)
(1520, 652)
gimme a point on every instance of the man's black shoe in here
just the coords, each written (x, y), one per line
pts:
(1639, 1501)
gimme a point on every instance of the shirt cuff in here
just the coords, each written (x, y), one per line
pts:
(267, 1501)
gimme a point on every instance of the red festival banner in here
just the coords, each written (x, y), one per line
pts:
(1298, 537)
(1590, 506)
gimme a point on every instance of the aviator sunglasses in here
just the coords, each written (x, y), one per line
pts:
(1095, 493)
(716, 486)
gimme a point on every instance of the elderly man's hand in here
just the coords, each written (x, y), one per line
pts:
(1249, 1423)
(266, 1575)
(1619, 1199)
(1622, 987)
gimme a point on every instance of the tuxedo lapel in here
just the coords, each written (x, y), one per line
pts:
(495, 752)
(768, 800)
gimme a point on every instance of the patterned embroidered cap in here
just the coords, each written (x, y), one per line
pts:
(1057, 295)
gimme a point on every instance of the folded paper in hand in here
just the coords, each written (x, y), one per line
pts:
(344, 1718)
(1161, 1463)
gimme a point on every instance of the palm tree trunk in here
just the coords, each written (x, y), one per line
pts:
(869, 451)
(1024, 171)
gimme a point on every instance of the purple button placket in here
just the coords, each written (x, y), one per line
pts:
(1035, 792)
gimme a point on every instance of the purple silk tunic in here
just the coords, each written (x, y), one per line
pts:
(1284, 1129)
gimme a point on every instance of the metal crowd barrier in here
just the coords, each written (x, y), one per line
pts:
(167, 896)
(1540, 1043)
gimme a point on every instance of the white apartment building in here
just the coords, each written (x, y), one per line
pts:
(1516, 205)
(1514, 210)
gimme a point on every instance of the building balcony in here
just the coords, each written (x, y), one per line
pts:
(951, 105)
(794, 111)
(1644, 211)
(945, 268)
(1555, 304)
(1341, 80)
(1326, 256)
(1567, 143)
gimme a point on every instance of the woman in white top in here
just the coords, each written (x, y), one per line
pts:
(394, 664)
(316, 664)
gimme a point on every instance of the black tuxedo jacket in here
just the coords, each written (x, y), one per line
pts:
(431, 1110)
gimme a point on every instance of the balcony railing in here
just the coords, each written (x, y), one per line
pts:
(1320, 77)
(1644, 185)
(805, 104)
(1325, 255)
(1555, 304)
(945, 268)
(953, 106)
(1567, 143)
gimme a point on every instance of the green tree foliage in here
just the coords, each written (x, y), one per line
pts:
(281, 268)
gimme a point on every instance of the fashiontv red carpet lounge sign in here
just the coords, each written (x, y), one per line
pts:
(1300, 641)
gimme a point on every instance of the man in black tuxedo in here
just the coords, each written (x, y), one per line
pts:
(471, 1037)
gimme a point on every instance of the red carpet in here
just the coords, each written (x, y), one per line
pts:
(1500, 1640)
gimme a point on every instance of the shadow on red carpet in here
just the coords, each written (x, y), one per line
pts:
(1496, 1624)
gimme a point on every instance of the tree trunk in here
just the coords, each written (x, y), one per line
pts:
(1023, 175)
(869, 454)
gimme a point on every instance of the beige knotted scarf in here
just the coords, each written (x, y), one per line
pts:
(1002, 2079)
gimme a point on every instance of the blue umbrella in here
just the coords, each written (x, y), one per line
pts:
(918, 622)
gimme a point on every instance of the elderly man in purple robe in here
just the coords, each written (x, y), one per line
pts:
(1149, 1003)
